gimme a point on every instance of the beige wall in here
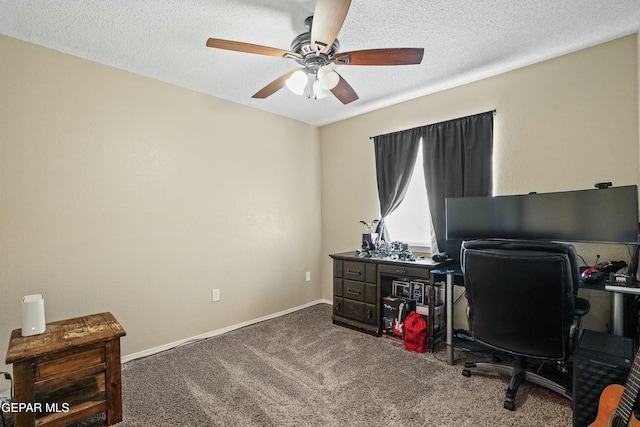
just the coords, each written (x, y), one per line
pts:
(124, 194)
(563, 124)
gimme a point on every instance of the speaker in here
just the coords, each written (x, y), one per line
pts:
(600, 359)
(33, 315)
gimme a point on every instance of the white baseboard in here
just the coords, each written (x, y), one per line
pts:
(164, 347)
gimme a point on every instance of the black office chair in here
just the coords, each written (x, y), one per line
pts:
(522, 301)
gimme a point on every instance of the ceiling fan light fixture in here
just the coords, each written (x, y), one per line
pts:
(318, 91)
(297, 82)
(317, 52)
(328, 78)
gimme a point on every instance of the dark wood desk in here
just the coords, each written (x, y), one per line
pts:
(69, 372)
(359, 283)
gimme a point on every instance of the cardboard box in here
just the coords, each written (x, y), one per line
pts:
(391, 312)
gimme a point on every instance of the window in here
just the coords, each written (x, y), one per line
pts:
(411, 221)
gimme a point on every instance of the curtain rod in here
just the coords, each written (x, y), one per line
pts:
(429, 124)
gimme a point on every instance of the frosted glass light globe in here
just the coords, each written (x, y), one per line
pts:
(327, 77)
(297, 82)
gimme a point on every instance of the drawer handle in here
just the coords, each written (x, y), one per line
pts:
(349, 291)
(401, 271)
(338, 306)
(369, 314)
(354, 272)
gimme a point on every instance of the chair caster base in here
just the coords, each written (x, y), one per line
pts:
(466, 373)
(508, 404)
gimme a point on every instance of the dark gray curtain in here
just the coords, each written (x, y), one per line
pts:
(457, 162)
(395, 155)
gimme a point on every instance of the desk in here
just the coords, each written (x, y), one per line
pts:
(69, 372)
(454, 274)
(619, 291)
(359, 283)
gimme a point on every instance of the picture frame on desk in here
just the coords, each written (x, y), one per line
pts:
(418, 292)
(401, 289)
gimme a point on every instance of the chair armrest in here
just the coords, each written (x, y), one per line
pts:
(582, 306)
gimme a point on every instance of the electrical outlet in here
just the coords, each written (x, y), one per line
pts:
(215, 295)
(308, 276)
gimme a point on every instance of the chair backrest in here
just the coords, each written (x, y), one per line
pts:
(521, 295)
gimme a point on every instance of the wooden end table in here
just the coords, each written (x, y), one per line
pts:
(69, 372)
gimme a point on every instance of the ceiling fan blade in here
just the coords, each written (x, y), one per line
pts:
(344, 92)
(327, 20)
(393, 56)
(275, 85)
(249, 48)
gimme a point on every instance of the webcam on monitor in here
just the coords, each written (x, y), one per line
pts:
(603, 185)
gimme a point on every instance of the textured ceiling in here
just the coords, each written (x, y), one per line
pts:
(464, 40)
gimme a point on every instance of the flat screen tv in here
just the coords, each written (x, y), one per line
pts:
(600, 215)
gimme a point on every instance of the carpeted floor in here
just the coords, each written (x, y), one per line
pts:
(301, 370)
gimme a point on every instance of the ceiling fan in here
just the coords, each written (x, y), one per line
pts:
(317, 53)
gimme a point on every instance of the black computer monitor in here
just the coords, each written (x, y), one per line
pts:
(600, 215)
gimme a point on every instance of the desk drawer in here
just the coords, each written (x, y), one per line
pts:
(72, 361)
(353, 270)
(354, 310)
(403, 271)
(353, 290)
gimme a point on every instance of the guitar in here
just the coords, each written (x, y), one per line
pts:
(398, 324)
(615, 408)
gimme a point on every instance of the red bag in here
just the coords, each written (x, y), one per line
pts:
(415, 333)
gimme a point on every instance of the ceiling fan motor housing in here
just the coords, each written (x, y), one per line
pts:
(310, 58)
